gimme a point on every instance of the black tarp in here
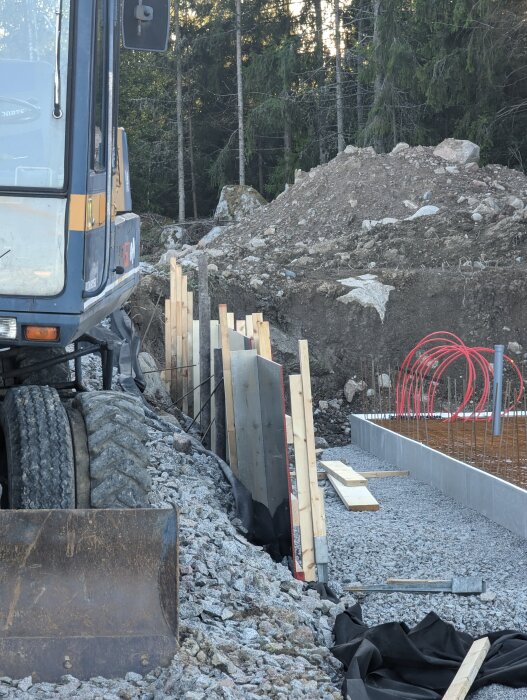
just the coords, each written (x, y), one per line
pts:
(393, 661)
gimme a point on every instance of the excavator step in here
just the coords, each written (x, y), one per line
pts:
(87, 592)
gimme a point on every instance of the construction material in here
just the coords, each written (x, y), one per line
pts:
(227, 387)
(465, 677)
(459, 585)
(204, 343)
(302, 479)
(346, 475)
(355, 498)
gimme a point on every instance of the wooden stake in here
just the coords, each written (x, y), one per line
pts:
(230, 321)
(264, 336)
(465, 677)
(249, 330)
(196, 368)
(240, 327)
(204, 343)
(183, 372)
(227, 384)
(317, 505)
(303, 486)
(168, 342)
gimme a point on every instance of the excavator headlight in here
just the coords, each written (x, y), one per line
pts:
(48, 334)
(8, 328)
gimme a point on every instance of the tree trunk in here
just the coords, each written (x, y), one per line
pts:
(341, 144)
(379, 77)
(179, 117)
(192, 170)
(320, 79)
(360, 69)
(288, 142)
(241, 136)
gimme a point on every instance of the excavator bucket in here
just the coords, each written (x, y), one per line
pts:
(87, 592)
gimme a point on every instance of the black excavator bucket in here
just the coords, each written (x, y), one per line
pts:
(87, 592)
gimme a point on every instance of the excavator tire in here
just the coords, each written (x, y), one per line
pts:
(116, 435)
(56, 374)
(38, 449)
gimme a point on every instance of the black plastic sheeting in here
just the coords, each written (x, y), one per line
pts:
(392, 661)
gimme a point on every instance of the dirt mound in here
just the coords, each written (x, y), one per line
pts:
(408, 209)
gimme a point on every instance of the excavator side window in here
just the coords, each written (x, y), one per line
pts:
(100, 110)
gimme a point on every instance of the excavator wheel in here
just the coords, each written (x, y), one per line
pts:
(114, 446)
(38, 451)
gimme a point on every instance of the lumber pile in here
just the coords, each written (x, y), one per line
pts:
(351, 487)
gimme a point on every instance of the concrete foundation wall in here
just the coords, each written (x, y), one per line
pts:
(498, 500)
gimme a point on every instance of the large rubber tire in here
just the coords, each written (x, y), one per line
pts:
(38, 449)
(56, 374)
(116, 436)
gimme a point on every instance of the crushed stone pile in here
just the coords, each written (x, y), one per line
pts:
(411, 208)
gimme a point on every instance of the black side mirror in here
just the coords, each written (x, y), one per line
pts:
(146, 24)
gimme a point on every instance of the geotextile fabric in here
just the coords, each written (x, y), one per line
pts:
(392, 661)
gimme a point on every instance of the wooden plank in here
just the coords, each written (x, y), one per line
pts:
(303, 487)
(289, 429)
(249, 330)
(382, 474)
(230, 321)
(219, 444)
(466, 675)
(346, 475)
(196, 368)
(213, 404)
(264, 336)
(168, 343)
(176, 275)
(250, 452)
(183, 373)
(355, 498)
(256, 318)
(317, 505)
(190, 343)
(227, 384)
(204, 343)
(240, 327)
(295, 514)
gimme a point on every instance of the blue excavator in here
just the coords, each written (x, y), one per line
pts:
(88, 572)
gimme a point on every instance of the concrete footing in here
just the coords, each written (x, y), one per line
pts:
(498, 500)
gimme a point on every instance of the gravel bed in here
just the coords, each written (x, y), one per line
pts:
(420, 533)
(249, 630)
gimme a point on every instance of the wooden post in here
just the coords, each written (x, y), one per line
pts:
(249, 330)
(317, 504)
(168, 342)
(219, 445)
(183, 372)
(204, 343)
(256, 319)
(227, 385)
(176, 275)
(230, 320)
(240, 327)
(302, 478)
(196, 368)
(190, 354)
(264, 337)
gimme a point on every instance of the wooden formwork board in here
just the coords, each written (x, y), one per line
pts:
(249, 331)
(168, 342)
(466, 675)
(183, 368)
(248, 422)
(317, 503)
(272, 409)
(240, 327)
(264, 337)
(355, 498)
(196, 367)
(215, 343)
(346, 475)
(190, 351)
(302, 478)
(227, 383)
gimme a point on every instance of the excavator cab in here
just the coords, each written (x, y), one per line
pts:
(88, 573)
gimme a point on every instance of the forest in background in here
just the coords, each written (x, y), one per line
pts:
(300, 79)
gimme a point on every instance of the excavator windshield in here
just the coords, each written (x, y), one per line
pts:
(34, 39)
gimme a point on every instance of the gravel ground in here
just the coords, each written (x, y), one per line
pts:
(420, 533)
(248, 630)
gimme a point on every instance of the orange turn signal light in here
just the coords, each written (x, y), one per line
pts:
(47, 334)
